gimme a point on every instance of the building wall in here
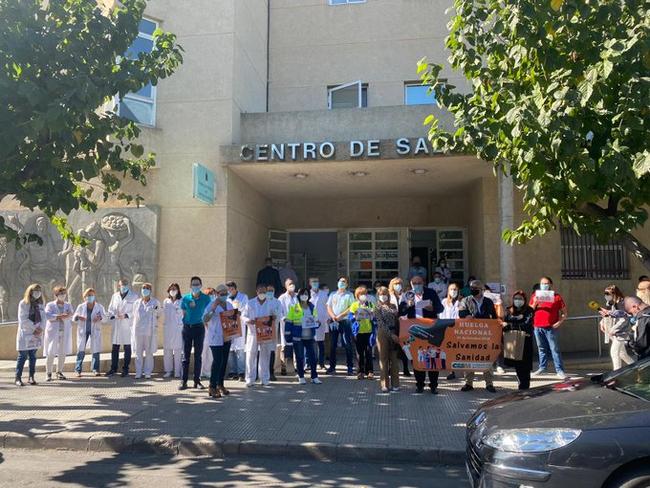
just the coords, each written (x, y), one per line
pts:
(313, 45)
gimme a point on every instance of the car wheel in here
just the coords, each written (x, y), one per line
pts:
(637, 477)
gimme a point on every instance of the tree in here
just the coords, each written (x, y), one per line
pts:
(560, 97)
(60, 62)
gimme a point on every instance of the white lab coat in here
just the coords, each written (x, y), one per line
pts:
(95, 342)
(439, 288)
(252, 311)
(122, 306)
(319, 301)
(239, 303)
(53, 329)
(145, 325)
(450, 309)
(214, 330)
(172, 325)
(25, 338)
(286, 301)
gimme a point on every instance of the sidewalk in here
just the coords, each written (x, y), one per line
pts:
(342, 419)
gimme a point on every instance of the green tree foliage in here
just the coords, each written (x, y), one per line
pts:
(61, 61)
(559, 99)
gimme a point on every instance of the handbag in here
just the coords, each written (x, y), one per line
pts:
(513, 344)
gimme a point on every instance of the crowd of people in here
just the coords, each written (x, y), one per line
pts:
(285, 329)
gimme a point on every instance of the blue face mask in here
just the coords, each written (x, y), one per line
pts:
(544, 286)
(315, 285)
(146, 292)
(222, 298)
(342, 285)
(213, 298)
(90, 299)
(270, 294)
(418, 288)
(124, 289)
(196, 290)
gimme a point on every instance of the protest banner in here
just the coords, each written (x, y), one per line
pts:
(265, 329)
(230, 322)
(448, 344)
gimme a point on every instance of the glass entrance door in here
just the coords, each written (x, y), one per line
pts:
(373, 255)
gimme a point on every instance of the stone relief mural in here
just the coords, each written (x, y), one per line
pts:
(122, 243)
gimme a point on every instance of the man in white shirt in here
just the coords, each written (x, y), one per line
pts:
(338, 306)
(438, 285)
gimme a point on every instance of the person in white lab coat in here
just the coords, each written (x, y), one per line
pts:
(438, 285)
(237, 359)
(89, 317)
(206, 354)
(260, 306)
(172, 331)
(120, 312)
(287, 299)
(29, 334)
(318, 298)
(58, 332)
(144, 339)
(214, 337)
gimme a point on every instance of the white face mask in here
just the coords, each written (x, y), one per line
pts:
(61, 297)
(518, 303)
(36, 294)
(363, 298)
(304, 298)
(398, 288)
(453, 293)
(261, 296)
(383, 298)
(173, 293)
(291, 288)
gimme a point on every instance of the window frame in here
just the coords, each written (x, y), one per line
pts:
(417, 83)
(154, 92)
(579, 259)
(359, 83)
(344, 2)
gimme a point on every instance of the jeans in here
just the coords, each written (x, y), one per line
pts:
(94, 363)
(20, 363)
(306, 347)
(237, 360)
(344, 330)
(219, 356)
(364, 351)
(321, 353)
(115, 355)
(548, 344)
(192, 337)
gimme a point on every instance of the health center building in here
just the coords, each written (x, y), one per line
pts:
(294, 128)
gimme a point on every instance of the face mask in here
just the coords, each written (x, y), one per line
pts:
(608, 298)
(223, 298)
(233, 295)
(383, 298)
(213, 298)
(326, 290)
(146, 292)
(173, 293)
(418, 288)
(61, 297)
(90, 299)
(398, 288)
(453, 293)
(196, 289)
(315, 285)
(124, 289)
(261, 296)
(291, 288)
(518, 302)
(342, 285)
(36, 295)
(304, 298)
(437, 280)
(363, 298)
(475, 292)
(544, 286)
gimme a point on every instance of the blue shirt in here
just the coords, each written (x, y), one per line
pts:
(194, 315)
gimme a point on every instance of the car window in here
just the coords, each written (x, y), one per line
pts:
(635, 381)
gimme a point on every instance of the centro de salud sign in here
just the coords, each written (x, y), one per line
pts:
(203, 184)
(357, 149)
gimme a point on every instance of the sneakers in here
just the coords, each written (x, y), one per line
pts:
(395, 388)
(561, 375)
(434, 390)
(384, 389)
(302, 381)
(183, 386)
(500, 370)
(147, 377)
(330, 372)
(223, 390)
(467, 387)
(78, 374)
(249, 384)
(111, 372)
(371, 376)
(316, 381)
(283, 371)
(214, 393)
(266, 383)
(167, 375)
(138, 376)
(538, 372)
(198, 385)
(491, 388)
(419, 389)
(97, 373)
(359, 376)
(242, 377)
(273, 378)
(19, 382)
(451, 376)
(124, 374)
(31, 380)
(59, 376)
(49, 377)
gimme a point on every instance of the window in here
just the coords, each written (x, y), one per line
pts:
(373, 256)
(348, 95)
(344, 2)
(418, 94)
(584, 258)
(141, 105)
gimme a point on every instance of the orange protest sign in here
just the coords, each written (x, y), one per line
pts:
(463, 344)
(265, 329)
(230, 323)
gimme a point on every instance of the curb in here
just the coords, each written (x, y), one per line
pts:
(220, 448)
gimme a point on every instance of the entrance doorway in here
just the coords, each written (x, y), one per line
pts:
(431, 245)
(314, 254)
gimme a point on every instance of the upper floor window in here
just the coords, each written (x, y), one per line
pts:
(347, 95)
(584, 258)
(417, 94)
(344, 2)
(141, 105)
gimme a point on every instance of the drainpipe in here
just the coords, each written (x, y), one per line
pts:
(507, 267)
(268, 36)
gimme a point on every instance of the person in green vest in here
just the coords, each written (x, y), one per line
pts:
(304, 317)
(362, 315)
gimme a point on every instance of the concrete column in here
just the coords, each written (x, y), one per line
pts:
(507, 267)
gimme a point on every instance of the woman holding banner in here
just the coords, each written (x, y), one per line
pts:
(215, 339)
(260, 315)
(519, 318)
